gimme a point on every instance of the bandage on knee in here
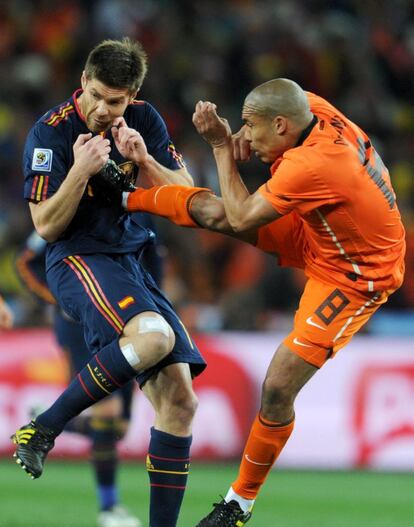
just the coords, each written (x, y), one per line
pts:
(153, 325)
(145, 325)
(128, 351)
(170, 201)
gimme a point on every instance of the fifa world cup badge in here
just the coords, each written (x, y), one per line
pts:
(42, 159)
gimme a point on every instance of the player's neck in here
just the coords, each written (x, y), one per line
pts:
(80, 103)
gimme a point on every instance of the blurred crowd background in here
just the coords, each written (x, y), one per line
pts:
(359, 54)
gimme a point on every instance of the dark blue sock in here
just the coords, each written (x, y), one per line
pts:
(79, 425)
(107, 371)
(108, 496)
(105, 460)
(168, 464)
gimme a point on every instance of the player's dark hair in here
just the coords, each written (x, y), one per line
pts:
(118, 64)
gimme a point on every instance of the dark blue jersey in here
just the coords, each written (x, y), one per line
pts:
(100, 225)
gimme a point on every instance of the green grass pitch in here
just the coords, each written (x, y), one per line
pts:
(64, 497)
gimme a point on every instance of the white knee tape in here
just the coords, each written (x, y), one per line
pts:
(153, 325)
(128, 351)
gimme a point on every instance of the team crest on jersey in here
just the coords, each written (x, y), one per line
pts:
(128, 168)
(42, 159)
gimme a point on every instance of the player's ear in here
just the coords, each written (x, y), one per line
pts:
(133, 96)
(84, 80)
(280, 124)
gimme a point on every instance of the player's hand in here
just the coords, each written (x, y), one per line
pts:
(129, 142)
(241, 147)
(213, 128)
(6, 316)
(90, 154)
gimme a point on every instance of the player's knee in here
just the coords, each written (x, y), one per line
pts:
(156, 344)
(182, 406)
(276, 392)
(147, 341)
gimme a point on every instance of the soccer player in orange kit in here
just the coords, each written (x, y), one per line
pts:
(328, 208)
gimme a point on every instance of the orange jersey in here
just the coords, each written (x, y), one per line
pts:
(337, 184)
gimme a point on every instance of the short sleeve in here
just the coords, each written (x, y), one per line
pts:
(298, 185)
(44, 162)
(158, 141)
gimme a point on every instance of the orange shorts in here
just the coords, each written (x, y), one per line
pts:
(327, 318)
(328, 315)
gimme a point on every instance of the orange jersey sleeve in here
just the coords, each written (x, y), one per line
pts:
(338, 185)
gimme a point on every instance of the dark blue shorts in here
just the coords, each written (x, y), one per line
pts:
(104, 291)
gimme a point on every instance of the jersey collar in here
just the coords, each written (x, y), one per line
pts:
(305, 133)
(75, 97)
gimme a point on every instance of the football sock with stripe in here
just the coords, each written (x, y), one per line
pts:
(168, 464)
(104, 435)
(81, 424)
(107, 371)
(264, 444)
(169, 201)
(104, 458)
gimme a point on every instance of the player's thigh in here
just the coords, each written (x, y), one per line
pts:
(284, 237)
(327, 318)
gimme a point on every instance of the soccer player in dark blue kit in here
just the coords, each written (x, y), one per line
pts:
(93, 267)
(109, 419)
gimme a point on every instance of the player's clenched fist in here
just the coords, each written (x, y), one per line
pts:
(90, 153)
(213, 128)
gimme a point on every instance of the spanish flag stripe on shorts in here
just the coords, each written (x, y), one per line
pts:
(100, 303)
(98, 287)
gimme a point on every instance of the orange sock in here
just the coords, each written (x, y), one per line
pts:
(265, 442)
(170, 201)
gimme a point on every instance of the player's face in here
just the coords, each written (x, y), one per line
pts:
(262, 134)
(101, 104)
